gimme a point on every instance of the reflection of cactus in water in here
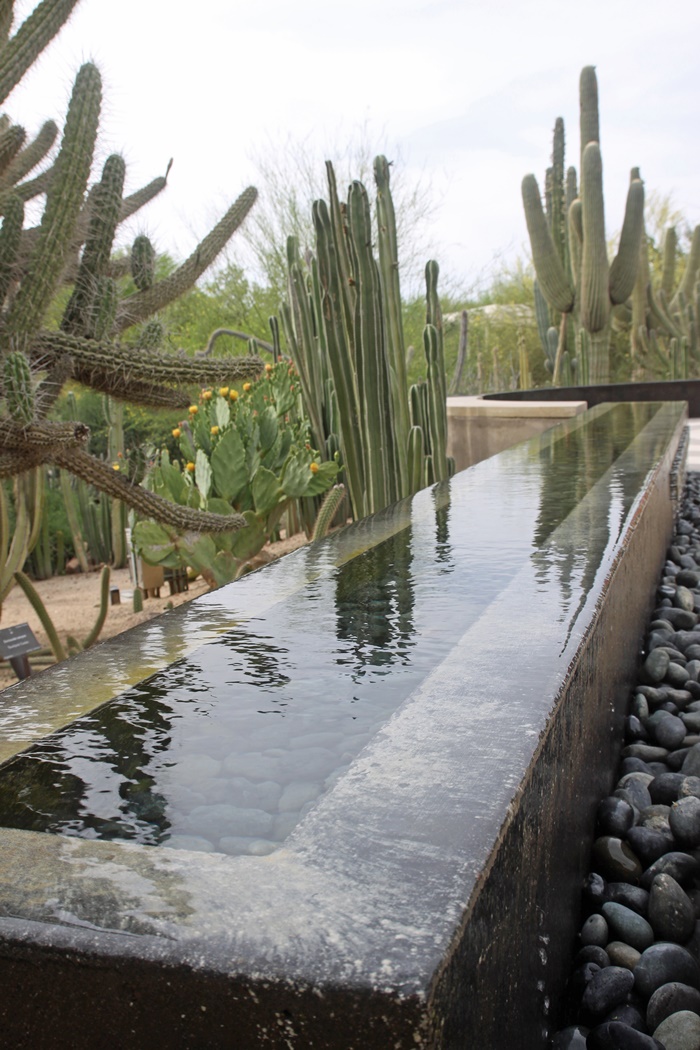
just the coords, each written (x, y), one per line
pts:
(119, 741)
(572, 465)
(374, 603)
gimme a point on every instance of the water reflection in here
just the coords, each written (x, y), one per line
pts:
(374, 606)
(574, 464)
(228, 748)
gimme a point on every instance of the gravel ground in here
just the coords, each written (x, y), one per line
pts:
(635, 981)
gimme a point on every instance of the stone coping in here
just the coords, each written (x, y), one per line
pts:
(476, 405)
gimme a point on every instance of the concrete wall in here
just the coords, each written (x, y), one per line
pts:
(477, 429)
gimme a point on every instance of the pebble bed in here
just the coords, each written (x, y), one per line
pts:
(635, 983)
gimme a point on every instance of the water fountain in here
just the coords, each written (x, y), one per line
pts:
(339, 802)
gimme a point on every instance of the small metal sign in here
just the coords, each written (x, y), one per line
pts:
(15, 643)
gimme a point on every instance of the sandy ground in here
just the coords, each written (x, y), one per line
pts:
(73, 604)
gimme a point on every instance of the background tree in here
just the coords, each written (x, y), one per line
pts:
(291, 176)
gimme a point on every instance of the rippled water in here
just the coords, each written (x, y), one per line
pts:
(229, 746)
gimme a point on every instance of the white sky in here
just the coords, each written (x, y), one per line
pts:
(467, 91)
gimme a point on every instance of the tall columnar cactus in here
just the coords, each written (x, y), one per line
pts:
(664, 312)
(36, 362)
(570, 258)
(343, 327)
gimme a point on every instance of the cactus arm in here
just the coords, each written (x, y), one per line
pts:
(589, 117)
(134, 363)
(10, 235)
(339, 223)
(141, 305)
(372, 379)
(149, 394)
(329, 507)
(416, 454)
(435, 357)
(595, 298)
(692, 267)
(437, 416)
(235, 334)
(31, 155)
(30, 40)
(25, 191)
(668, 268)
(94, 634)
(11, 142)
(307, 356)
(340, 357)
(110, 481)
(17, 387)
(63, 202)
(389, 276)
(42, 612)
(639, 301)
(558, 192)
(623, 271)
(98, 245)
(131, 204)
(19, 547)
(6, 17)
(552, 278)
(143, 263)
(571, 192)
(74, 521)
(456, 382)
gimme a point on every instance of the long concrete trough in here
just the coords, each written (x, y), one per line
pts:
(487, 631)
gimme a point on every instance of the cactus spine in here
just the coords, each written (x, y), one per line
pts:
(570, 257)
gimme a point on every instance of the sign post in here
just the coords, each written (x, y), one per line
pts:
(15, 644)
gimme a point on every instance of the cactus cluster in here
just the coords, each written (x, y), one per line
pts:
(73, 246)
(569, 248)
(663, 314)
(343, 327)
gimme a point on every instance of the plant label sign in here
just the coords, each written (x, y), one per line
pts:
(15, 644)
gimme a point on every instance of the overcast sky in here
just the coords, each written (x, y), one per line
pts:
(466, 93)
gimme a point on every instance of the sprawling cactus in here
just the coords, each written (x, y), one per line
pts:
(569, 248)
(34, 263)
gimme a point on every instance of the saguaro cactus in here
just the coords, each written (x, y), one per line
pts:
(36, 362)
(664, 312)
(570, 257)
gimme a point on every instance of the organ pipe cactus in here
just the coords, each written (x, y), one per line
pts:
(36, 362)
(570, 258)
(343, 326)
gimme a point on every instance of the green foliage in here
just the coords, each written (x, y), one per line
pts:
(229, 300)
(246, 451)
